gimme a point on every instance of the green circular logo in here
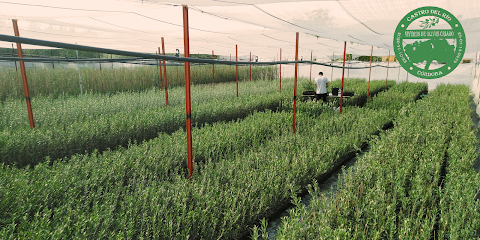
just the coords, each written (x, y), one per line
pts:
(429, 42)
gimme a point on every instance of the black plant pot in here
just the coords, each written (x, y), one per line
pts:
(334, 91)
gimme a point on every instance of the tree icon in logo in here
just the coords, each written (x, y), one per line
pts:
(429, 42)
(429, 22)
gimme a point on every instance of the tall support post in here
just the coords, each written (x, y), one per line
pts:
(388, 66)
(160, 68)
(280, 70)
(398, 77)
(99, 63)
(311, 59)
(343, 75)
(331, 77)
(188, 106)
(79, 77)
(24, 76)
(295, 84)
(13, 51)
(236, 67)
(476, 63)
(165, 70)
(250, 67)
(51, 55)
(213, 70)
(348, 70)
(369, 74)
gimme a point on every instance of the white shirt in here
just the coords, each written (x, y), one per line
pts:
(321, 82)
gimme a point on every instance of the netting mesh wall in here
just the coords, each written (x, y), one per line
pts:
(260, 27)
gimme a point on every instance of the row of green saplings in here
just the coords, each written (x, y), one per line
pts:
(65, 81)
(110, 132)
(96, 212)
(417, 182)
(105, 193)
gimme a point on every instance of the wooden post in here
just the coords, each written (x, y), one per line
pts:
(295, 84)
(348, 70)
(51, 55)
(165, 69)
(79, 76)
(311, 59)
(331, 78)
(188, 106)
(369, 74)
(280, 70)
(13, 51)
(160, 67)
(24, 76)
(343, 75)
(388, 65)
(100, 63)
(236, 67)
(213, 69)
(250, 67)
(398, 77)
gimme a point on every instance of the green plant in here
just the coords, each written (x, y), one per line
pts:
(396, 190)
(61, 82)
(244, 170)
(71, 125)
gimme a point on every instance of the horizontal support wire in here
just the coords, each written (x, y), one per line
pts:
(140, 56)
(49, 59)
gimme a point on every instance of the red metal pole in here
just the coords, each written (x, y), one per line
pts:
(213, 69)
(160, 66)
(343, 75)
(311, 59)
(188, 105)
(165, 73)
(370, 72)
(280, 70)
(388, 65)
(24, 77)
(250, 67)
(236, 67)
(295, 85)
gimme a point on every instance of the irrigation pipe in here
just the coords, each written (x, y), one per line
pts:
(37, 42)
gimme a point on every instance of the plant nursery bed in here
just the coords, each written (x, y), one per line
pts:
(286, 204)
